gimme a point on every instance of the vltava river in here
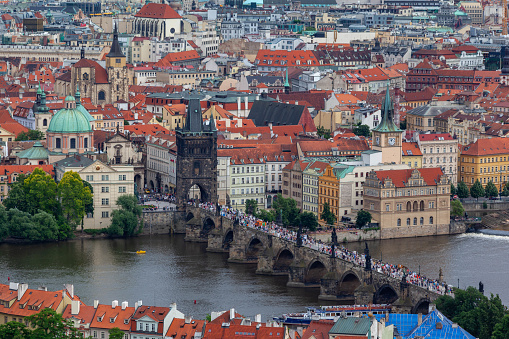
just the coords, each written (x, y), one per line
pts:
(176, 271)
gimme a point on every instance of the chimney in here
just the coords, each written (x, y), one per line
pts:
(125, 305)
(173, 306)
(135, 116)
(258, 318)
(246, 102)
(70, 289)
(114, 303)
(227, 122)
(238, 106)
(187, 319)
(22, 288)
(232, 313)
(75, 307)
(96, 303)
(13, 285)
(140, 303)
(419, 319)
(136, 305)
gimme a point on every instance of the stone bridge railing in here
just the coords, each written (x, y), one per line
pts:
(343, 277)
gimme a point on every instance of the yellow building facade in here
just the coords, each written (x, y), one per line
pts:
(328, 192)
(485, 160)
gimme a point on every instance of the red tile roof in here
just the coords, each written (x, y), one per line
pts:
(285, 58)
(108, 317)
(177, 56)
(413, 147)
(24, 169)
(180, 329)
(101, 76)
(157, 11)
(400, 177)
(318, 329)
(435, 136)
(487, 147)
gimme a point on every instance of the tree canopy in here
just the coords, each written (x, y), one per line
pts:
(74, 197)
(30, 135)
(363, 218)
(288, 209)
(462, 190)
(361, 130)
(457, 209)
(322, 132)
(251, 206)
(126, 221)
(327, 215)
(477, 190)
(491, 190)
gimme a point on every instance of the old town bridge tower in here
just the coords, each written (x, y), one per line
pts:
(196, 158)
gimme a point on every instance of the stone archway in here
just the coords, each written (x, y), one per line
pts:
(254, 249)
(208, 225)
(348, 284)
(422, 306)
(385, 295)
(189, 216)
(197, 193)
(283, 261)
(315, 272)
(228, 239)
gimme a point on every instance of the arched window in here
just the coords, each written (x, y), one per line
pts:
(415, 206)
(58, 143)
(101, 95)
(409, 206)
(85, 76)
(422, 221)
(399, 222)
(197, 168)
(422, 205)
(415, 221)
(431, 220)
(73, 142)
(85, 142)
(408, 221)
(45, 122)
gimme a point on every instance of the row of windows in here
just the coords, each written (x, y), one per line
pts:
(247, 191)
(485, 160)
(258, 200)
(247, 180)
(106, 189)
(421, 221)
(105, 177)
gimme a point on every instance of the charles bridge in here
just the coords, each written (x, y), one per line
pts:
(339, 280)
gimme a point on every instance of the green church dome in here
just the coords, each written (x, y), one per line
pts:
(69, 119)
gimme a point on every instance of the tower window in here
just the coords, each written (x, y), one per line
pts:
(73, 143)
(118, 61)
(58, 143)
(45, 122)
(101, 95)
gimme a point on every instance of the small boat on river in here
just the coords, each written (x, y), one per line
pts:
(141, 252)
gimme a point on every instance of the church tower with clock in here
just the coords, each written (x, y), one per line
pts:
(387, 137)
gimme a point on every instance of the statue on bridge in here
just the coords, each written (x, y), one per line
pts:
(299, 235)
(334, 242)
(481, 287)
(367, 266)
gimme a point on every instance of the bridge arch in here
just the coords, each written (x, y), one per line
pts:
(254, 248)
(283, 260)
(385, 295)
(228, 239)
(315, 272)
(189, 216)
(208, 225)
(422, 306)
(348, 284)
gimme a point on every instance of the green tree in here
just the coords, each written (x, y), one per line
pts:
(116, 333)
(89, 207)
(45, 227)
(501, 330)
(361, 130)
(308, 220)
(453, 190)
(74, 195)
(41, 191)
(462, 190)
(14, 330)
(473, 311)
(310, 28)
(491, 190)
(20, 224)
(4, 223)
(457, 209)
(288, 207)
(477, 190)
(266, 215)
(322, 132)
(49, 324)
(126, 221)
(251, 206)
(30, 135)
(505, 192)
(363, 218)
(327, 215)
(17, 196)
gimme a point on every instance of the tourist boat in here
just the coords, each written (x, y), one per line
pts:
(331, 313)
(141, 252)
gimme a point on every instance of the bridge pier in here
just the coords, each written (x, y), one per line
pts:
(296, 276)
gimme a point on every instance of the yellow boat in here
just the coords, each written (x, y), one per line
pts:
(141, 252)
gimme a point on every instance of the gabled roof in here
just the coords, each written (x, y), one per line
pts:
(179, 328)
(108, 317)
(487, 147)
(352, 326)
(157, 11)
(411, 149)
(101, 76)
(400, 177)
(435, 136)
(318, 329)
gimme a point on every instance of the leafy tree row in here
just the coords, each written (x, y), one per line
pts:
(483, 317)
(477, 190)
(33, 134)
(47, 324)
(39, 209)
(287, 209)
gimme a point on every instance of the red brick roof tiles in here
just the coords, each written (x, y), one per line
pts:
(101, 76)
(157, 11)
(400, 177)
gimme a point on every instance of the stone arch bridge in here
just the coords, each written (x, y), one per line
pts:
(338, 279)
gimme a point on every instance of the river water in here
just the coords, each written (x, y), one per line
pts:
(176, 271)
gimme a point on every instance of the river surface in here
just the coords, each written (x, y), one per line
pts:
(176, 271)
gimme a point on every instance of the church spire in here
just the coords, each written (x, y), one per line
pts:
(78, 95)
(387, 124)
(287, 83)
(115, 50)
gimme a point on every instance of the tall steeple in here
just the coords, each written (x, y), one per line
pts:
(387, 124)
(194, 121)
(78, 95)
(115, 58)
(40, 104)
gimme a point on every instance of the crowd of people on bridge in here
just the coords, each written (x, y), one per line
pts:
(395, 271)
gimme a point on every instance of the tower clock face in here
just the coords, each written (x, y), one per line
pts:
(377, 140)
(392, 141)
